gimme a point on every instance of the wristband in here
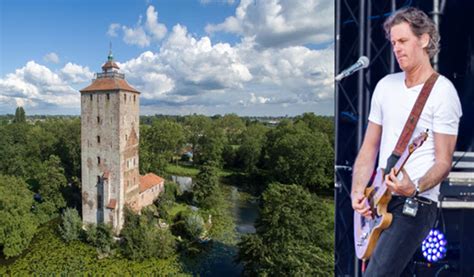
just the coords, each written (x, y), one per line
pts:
(417, 188)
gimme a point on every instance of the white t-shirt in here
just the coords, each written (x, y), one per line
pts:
(391, 105)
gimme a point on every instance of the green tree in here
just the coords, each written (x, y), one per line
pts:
(233, 126)
(195, 126)
(50, 181)
(166, 200)
(294, 235)
(71, 225)
(101, 237)
(143, 238)
(20, 116)
(296, 154)
(67, 144)
(211, 147)
(160, 143)
(17, 223)
(229, 156)
(41, 143)
(15, 159)
(250, 151)
(194, 225)
(207, 183)
(324, 124)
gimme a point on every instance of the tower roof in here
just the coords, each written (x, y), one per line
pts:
(101, 84)
(109, 79)
(110, 63)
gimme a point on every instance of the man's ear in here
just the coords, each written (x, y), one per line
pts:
(425, 40)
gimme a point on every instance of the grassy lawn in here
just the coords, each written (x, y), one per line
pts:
(177, 207)
(192, 171)
(182, 170)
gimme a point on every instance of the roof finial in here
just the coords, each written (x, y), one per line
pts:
(110, 57)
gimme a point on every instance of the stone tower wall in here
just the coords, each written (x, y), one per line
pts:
(109, 132)
(129, 144)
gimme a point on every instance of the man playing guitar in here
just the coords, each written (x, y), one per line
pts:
(415, 40)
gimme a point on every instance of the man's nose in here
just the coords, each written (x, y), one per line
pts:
(396, 48)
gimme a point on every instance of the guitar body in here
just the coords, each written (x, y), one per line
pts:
(367, 230)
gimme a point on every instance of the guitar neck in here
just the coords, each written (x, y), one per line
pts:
(398, 167)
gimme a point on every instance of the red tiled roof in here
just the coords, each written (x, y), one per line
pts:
(109, 84)
(150, 180)
(112, 204)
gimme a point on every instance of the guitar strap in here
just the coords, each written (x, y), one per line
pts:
(411, 122)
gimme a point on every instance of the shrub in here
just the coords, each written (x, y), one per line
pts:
(70, 227)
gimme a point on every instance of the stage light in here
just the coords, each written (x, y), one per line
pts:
(434, 246)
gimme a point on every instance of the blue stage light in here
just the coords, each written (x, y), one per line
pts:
(434, 246)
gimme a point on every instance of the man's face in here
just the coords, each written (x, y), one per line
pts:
(407, 47)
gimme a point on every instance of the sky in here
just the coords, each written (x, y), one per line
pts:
(249, 57)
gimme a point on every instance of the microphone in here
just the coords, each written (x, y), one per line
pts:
(361, 63)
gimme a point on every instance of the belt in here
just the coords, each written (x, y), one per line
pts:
(420, 199)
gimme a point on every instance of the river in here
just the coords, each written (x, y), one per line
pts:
(219, 259)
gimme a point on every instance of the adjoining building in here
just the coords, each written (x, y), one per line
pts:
(109, 150)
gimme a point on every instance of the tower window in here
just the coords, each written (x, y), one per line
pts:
(108, 96)
(134, 98)
(98, 119)
(98, 179)
(125, 98)
(126, 137)
(91, 97)
(98, 160)
(98, 139)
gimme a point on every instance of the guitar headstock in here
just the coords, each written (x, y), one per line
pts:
(418, 141)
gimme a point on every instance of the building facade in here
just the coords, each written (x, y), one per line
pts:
(109, 144)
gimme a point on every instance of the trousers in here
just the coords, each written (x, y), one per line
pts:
(398, 243)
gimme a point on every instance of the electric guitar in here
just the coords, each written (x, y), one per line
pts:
(367, 231)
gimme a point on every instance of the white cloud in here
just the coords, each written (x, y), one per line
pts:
(157, 30)
(75, 73)
(135, 36)
(280, 23)
(186, 68)
(260, 100)
(113, 28)
(35, 84)
(263, 74)
(195, 73)
(51, 58)
(142, 34)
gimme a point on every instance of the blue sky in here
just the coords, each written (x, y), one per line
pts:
(248, 57)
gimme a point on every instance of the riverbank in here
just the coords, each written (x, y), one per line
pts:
(218, 257)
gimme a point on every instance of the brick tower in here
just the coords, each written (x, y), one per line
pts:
(109, 143)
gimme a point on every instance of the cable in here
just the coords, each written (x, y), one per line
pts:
(446, 266)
